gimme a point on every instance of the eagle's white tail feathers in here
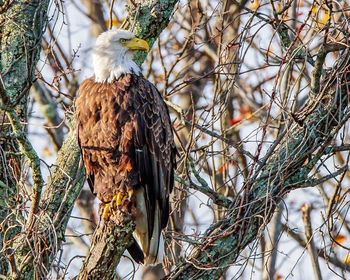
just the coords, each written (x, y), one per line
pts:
(155, 247)
(160, 254)
(154, 244)
(141, 231)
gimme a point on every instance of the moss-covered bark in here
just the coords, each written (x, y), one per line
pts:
(147, 20)
(21, 27)
(107, 245)
(37, 248)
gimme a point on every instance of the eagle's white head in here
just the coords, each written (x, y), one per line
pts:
(113, 53)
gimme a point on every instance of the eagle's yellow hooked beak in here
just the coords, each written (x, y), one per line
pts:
(137, 44)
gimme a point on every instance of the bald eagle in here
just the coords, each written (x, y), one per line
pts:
(126, 139)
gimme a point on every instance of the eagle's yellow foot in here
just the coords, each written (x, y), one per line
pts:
(117, 201)
(106, 212)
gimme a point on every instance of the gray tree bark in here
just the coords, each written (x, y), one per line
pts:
(21, 27)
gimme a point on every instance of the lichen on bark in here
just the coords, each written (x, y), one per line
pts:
(22, 24)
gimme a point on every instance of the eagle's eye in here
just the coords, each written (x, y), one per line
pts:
(123, 41)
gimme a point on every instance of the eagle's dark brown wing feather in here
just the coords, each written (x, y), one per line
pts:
(155, 149)
(126, 139)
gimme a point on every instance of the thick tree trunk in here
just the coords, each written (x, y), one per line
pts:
(21, 28)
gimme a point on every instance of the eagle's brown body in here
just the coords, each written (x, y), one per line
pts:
(125, 135)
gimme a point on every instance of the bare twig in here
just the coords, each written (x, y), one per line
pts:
(31, 154)
(310, 245)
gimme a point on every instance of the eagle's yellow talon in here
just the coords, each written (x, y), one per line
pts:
(130, 193)
(119, 198)
(116, 202)
(106, 212)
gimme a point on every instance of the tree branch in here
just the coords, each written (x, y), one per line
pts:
(108, 244)
(310, 245)
(36, 250)
(28, 150)
(320, 252)
(21, 29)
(226, 239)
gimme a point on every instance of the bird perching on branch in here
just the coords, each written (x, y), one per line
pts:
(126, 140)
